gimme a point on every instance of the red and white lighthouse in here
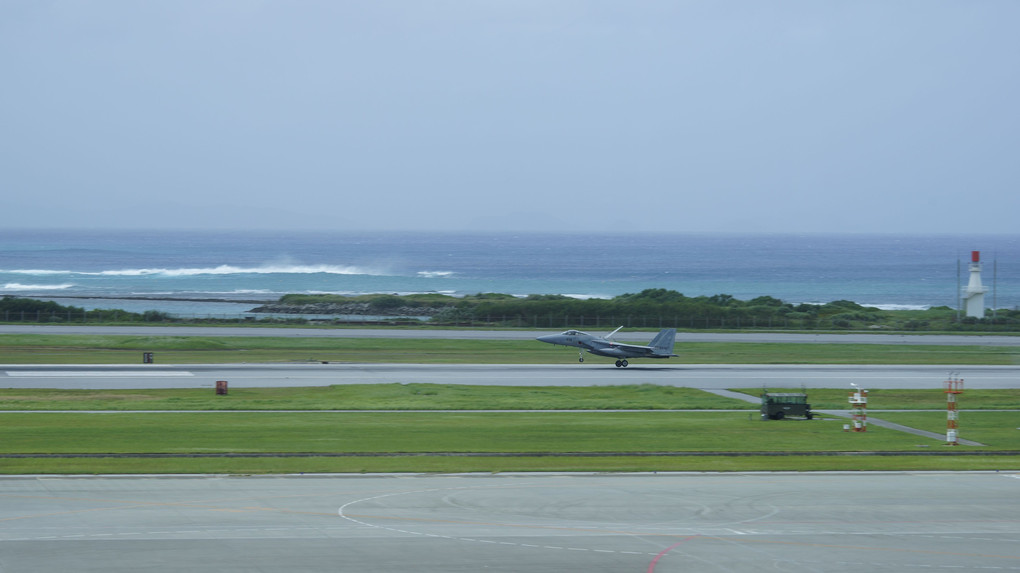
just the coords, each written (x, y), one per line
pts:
(974, 294)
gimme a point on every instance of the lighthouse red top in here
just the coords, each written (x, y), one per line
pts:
(975, 256)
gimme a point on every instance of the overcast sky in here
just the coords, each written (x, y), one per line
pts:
(545, 115)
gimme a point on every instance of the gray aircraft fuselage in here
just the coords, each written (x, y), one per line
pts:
(660, 347)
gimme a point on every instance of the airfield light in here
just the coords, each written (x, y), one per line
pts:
(859, 408)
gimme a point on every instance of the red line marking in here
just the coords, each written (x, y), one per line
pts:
(651, 566)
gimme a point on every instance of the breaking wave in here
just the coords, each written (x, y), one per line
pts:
(899, 306)
(37, 272)
(588, 296)
(218, 270)
(19, 286)
(435, 274)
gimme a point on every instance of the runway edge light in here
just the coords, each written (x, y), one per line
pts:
(859, 408)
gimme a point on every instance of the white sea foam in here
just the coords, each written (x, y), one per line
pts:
(218, 270)
(898, 306)
(235, 270)
(265, 292)
(905, 272)
(36, 272)
(395, 292)
(19, 286)
(882, 306)
(588, 296)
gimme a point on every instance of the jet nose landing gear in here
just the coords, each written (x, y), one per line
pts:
(621, 363)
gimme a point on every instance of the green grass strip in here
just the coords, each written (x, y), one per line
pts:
(427, 464)
(413, 396)
(413, 432)
(83, 349)
(416, 396)
(904, 399)
(437, 464)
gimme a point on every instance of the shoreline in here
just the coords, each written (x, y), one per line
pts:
(154, 298)
(274, 306)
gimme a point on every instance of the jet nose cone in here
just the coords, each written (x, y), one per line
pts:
(547, 338)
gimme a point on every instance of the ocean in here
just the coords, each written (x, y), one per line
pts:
(199, 273)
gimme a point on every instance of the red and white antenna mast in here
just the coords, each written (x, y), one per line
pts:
(953, 388)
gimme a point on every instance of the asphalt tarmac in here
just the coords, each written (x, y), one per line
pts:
(707, 376)
(567, 374)
(640, 336)
(697, 376)
(649, 523)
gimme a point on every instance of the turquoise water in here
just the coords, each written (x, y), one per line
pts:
(888, 271)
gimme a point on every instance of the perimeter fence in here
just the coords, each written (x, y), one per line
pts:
(551, 321)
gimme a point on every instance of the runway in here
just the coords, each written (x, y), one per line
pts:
(569, 374)
(640, 336)
(709, 376)
(836, 522)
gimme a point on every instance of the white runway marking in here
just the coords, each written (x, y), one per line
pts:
(659, 523)
(342, 513)
(702, 534)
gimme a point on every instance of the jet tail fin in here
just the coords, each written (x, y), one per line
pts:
(664, 342)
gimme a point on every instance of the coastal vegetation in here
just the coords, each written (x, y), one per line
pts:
(20, 309)
(651, 308)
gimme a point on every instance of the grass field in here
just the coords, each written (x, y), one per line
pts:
(503, 432)
(374, 397)
(526, 441)
(74, 349)
(468, 397)
(415, 436)
(443, 464)
(533, 442)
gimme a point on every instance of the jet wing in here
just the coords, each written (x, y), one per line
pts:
(635, 348)
(632, 350)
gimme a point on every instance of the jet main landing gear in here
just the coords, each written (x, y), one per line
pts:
(621, 363)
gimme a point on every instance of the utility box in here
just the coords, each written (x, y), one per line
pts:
(221, 387)
(147, 358)
(779, 405)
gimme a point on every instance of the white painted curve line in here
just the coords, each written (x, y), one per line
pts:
(341, 512)
(98, 374)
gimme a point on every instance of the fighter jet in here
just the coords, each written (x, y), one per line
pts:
(660, 347)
